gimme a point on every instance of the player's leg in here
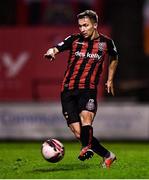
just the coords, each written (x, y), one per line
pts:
(69, 107)
(70, 112)
(108, 156)
(75, 128)
(87, 107)
(86, 135)
(89, 142)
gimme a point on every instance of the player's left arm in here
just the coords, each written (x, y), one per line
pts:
(112, 69)
(112, 66)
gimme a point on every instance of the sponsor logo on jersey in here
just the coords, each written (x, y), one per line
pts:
(88, 55)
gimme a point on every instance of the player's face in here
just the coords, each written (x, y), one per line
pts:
(86, 27)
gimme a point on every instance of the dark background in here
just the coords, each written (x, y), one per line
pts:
(127, 19)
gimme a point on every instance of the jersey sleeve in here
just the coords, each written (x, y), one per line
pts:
(112, 50)
(65, 44)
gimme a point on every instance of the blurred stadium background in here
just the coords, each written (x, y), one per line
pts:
(30, 85)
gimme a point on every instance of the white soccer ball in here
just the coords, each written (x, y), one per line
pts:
(52, 150)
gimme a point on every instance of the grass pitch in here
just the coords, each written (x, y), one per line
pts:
(23, 160)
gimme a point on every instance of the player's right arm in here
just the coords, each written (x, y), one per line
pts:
(62, 46)
(50, 54)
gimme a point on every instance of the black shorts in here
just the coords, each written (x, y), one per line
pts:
(74, 101)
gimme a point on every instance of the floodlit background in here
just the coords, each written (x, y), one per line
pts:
(30, 85)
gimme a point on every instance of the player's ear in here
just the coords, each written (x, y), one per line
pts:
(95, 26)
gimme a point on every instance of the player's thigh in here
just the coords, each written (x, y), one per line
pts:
(88, 101)
(86, 117)
(69, 107)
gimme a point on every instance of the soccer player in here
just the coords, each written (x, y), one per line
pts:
(87, 52)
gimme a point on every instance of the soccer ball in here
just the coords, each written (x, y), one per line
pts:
(52, 150)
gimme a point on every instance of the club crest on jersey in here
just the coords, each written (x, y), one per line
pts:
(102, 46)
(90, 105)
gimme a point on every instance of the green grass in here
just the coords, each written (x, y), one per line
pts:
(23, 160)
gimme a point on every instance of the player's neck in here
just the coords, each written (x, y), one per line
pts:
(95, 35)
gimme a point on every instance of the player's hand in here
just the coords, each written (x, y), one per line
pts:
(50, 54)
(110, 87)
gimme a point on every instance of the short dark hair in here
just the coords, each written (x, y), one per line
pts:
(89, 13)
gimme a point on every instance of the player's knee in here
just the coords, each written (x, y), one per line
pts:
(86, 117)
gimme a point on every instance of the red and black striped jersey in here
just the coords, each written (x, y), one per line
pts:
(85, 60)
